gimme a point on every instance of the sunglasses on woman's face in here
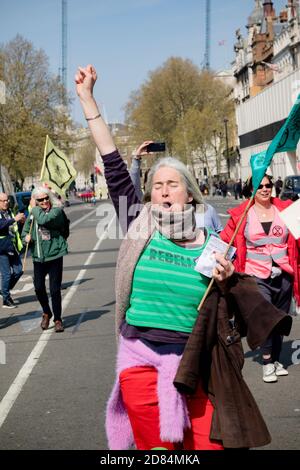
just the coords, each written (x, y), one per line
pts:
(42, 199)
(268, 186)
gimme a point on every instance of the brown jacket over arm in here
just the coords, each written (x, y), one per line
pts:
(214, 355)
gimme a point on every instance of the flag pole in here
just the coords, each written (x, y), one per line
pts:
(44, 161)
(27, 245)
(227, 249)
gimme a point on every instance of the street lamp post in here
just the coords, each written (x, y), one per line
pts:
(227, 149)
(215, 139)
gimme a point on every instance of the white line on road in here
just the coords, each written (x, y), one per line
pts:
(223, 215)
(25, 288)
(16, 387)
(25, 279)
(73, 224)
(30, 321)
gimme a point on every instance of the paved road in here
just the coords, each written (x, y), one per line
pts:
(54, 387)
(62, 403)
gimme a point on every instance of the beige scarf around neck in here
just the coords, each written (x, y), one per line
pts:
(137, 237)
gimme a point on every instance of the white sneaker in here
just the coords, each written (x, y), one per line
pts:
(269, 373)
(279, 369)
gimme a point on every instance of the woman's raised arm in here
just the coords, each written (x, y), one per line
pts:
(85, 80)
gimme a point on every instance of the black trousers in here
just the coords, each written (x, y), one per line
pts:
(277, 291)
(54, 268)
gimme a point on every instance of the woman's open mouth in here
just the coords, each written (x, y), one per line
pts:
(166, 206)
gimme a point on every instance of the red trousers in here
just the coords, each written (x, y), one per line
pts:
(139, 393)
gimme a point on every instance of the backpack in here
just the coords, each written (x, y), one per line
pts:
(65, 230)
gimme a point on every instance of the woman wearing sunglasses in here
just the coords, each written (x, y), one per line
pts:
(267, 251)
(48, 246)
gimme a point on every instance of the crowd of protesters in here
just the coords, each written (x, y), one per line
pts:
(178, 383)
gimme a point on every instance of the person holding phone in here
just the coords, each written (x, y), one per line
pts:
(267, 251)
(48, 246)
(157, 295)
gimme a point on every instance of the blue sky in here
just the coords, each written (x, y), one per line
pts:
(125, 39)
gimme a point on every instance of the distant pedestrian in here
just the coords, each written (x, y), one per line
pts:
(215, 188)
(278, 186)
(48, 246)
(10, 248)
(246, 191)
(237, 189)
(224, 188)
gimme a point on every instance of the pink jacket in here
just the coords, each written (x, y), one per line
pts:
(263, 249)
(293, 246)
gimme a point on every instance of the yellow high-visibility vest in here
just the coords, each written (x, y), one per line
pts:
(17, 239)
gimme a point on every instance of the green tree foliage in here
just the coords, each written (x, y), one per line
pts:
(32, 108)
(183, 106)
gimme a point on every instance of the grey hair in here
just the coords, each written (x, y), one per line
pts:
(42, 190)
(187, 178)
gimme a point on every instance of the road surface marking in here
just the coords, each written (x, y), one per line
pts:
(16, 387)
(73, 224)
(25, 279)
(31, 321)
(223, 215)
(25, 288)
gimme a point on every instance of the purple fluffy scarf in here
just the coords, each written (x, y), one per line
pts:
(172, 405)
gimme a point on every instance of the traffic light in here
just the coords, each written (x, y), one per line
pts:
(92, 178)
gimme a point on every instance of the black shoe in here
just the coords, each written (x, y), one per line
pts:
(8, 304)
(12, 301)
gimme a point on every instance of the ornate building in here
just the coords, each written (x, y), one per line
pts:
(286, 49)
(266, 68)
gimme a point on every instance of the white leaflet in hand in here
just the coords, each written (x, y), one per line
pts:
(207, 260)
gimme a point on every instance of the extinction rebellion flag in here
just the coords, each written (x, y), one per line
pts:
(57, 171)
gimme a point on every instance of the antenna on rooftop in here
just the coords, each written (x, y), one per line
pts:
(207, 36)
(64, 46)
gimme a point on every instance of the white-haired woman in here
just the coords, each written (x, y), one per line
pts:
(157, 295)
(209, 218)
(48, 246)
